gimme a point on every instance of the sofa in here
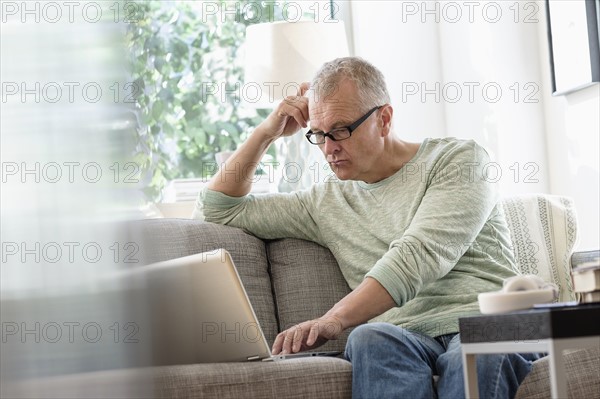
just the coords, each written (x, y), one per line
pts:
(290, 281)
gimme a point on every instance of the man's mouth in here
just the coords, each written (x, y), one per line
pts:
(337, 163)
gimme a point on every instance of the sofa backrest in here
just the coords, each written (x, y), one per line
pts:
(307, 282)
(544, 232)
(163, 239)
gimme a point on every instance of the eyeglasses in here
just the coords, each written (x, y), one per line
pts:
(339, 133)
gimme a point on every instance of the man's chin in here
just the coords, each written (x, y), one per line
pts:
(341, 173)
(343, 170)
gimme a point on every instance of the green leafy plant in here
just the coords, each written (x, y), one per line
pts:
(178, 57)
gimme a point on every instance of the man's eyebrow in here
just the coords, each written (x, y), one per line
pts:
(335, 125)
(341, 123)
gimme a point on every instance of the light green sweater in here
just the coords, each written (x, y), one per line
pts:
(433, 234)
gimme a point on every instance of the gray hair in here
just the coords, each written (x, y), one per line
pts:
(369, 80)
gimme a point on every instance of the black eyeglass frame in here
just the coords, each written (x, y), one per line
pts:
(350, 128)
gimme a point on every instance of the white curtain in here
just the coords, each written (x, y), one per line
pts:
(464, 69)
(65, 140)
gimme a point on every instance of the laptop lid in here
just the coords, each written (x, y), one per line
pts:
(200, 311)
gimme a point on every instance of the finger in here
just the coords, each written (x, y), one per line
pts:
(300, 103)
(289, 339)
(313, 334)
(296, 100)
(298, 337)
(304, 86)
(278, 343)
(298, 117)
(296, 114)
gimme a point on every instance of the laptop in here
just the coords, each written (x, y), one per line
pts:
(200, 313)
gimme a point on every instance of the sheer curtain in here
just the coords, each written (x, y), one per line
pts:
(464, 69)
(65, 139)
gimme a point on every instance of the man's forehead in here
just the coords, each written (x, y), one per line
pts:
(313, 97)
(330, 116)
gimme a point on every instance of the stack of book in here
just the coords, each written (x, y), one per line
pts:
(586, 275)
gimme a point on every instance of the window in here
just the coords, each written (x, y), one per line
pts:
(187, 79)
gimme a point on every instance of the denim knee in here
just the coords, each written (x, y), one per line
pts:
(388, 360)
(365, 335)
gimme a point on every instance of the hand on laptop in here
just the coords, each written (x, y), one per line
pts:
(307, 335)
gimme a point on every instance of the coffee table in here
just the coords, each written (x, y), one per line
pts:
(549, 329)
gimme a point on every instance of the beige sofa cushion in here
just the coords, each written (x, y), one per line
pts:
(583, 376)
(318, 377)
(307, 282)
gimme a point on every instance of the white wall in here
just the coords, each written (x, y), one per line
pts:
(459, 62)
(382, 39)
(573, 148)
(543, 144)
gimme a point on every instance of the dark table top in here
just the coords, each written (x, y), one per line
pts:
(572, 321)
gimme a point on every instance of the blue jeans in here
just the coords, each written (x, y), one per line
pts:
(392, 362)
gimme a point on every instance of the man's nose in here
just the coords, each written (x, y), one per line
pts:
(330, 146)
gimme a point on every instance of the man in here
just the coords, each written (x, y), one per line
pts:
(415, 228)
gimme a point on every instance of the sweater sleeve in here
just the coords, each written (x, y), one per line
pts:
(458, 201)
(267, 216)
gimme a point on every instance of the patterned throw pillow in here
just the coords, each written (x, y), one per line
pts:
(543, 230)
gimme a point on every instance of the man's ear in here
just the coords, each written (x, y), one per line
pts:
(385, 119)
